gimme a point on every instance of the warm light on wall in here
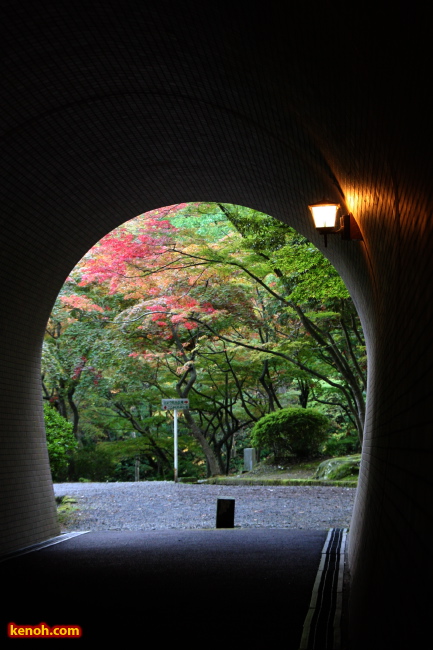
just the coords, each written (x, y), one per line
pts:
(327, 222)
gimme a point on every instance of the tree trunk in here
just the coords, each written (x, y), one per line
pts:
(75, 414)
(304, 391)
(212, 460)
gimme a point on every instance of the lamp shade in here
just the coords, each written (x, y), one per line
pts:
(324, 214)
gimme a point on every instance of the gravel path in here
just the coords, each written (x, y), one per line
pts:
(157, 505)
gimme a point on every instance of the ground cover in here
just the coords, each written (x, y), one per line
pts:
(314, 472)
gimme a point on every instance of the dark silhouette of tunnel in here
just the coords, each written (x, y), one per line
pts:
(110, 109)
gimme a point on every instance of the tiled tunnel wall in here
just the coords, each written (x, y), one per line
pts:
(111, 109)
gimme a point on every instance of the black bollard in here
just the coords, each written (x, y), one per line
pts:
(225, 516)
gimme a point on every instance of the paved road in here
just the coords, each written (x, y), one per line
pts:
(154, 588)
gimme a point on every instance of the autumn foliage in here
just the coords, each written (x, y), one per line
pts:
(216, 303)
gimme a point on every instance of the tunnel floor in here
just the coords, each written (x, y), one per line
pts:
(194, 586)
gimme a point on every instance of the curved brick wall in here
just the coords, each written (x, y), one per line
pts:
(113, 108)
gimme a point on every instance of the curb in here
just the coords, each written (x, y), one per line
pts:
(282, 482)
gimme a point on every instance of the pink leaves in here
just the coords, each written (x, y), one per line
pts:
(190, 326)
(177, 318)
(131, 254)
(75, 301)
(140, 261)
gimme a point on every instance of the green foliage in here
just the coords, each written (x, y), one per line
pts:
(291, 431)
(337, 469)
(60, 442)
(66, 509)
(340, 444)
(94, 465)
(125, 452)
(303, 271)
(115, 461)
(344, 471)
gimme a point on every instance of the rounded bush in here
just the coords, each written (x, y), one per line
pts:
(291, 431)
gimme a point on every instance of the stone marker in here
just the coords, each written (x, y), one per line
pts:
(249, 459)
(225, 516)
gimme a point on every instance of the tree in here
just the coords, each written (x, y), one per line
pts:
(163, 322)
(60, 442)
(301, 288)
(308, 287)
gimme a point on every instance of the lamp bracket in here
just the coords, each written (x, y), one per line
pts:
(348, 228)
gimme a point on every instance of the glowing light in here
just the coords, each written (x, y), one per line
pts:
(324, 214)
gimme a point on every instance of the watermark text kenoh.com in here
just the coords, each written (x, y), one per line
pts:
(43, 630)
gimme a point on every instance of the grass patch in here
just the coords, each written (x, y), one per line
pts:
(227, 480)
(66, 510)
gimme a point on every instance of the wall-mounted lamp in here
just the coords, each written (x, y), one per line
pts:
(328, 223)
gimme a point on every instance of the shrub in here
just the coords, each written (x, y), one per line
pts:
(60, 442)
(93, 464)
(291, 431)
(342, 444)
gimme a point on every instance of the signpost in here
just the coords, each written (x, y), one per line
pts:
(175, 405)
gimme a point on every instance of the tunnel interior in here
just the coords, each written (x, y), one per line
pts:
(115, 109)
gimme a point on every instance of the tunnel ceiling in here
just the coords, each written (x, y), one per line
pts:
(114, 108)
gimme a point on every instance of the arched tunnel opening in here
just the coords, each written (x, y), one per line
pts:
(82, 309)
(213, 302)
